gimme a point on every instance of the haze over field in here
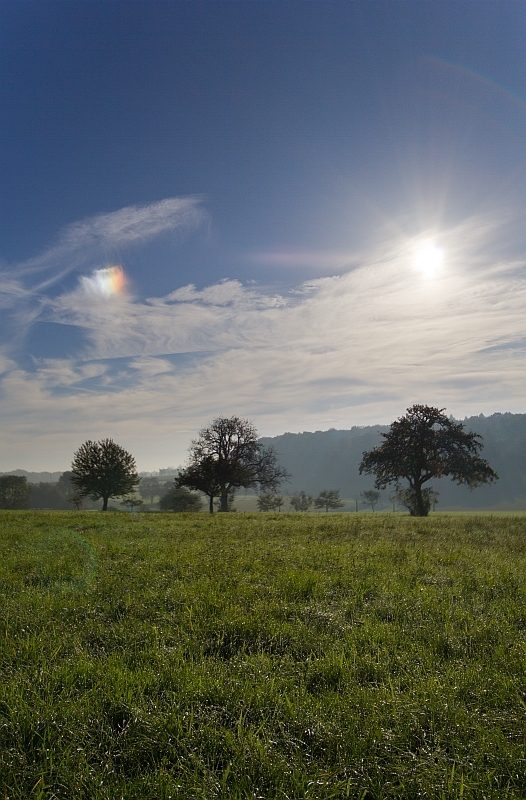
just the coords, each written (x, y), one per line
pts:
(307, 214)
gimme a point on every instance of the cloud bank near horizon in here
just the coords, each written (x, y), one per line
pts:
(355, 348)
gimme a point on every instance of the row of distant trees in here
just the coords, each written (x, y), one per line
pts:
(227, 456)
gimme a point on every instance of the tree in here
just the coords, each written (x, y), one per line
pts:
(329, 498)
(14, 491)
(132, 502)
(422, 445)
(103, 470)
(301, 501)
(47, 495)
(370, 497)
(227, 456)
(394, 498)
(150, 488)
(179, 499)
(270, 502)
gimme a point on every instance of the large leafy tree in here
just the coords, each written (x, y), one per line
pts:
(422, 445)
(227, 456)
(102, 470)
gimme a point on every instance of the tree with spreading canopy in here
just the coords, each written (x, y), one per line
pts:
(328, 498)
(103, 469)
(422, 445)
(227, 456)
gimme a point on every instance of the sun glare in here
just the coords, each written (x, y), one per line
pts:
(428, 259)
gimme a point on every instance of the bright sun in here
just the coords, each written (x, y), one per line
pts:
(428, 259)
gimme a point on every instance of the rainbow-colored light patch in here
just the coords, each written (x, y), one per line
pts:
(106, 282)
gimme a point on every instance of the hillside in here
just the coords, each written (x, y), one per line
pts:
(330, 459)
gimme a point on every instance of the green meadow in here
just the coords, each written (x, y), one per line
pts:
(262, 656)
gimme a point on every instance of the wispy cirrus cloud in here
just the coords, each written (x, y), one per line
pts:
(354, 348)
(84, 247)
(84, 243)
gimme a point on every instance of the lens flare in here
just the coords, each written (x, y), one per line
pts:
(105, 282)
(428, 259)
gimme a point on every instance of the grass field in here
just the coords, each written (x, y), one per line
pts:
(262, 656)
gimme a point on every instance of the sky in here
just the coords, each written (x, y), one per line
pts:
(309, 214)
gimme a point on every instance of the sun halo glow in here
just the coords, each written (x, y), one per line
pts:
(428, 259)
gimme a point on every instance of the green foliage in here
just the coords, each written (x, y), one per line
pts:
(426, 444)
(270, 502)
(103, 470)
(180, 499)
(328, 498)
(301, 501)
(226, 456)
(14, 491)
(262, 656)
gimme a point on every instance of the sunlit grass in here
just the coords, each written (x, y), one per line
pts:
(262, 656)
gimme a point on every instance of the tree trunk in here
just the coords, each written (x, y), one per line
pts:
(224, 501)
(104, 503)
(422, 510)
(211, 504)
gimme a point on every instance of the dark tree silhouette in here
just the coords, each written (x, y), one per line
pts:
(422, 445)
(328, 498)
(228, 456)
(14, 491)
(103, 470)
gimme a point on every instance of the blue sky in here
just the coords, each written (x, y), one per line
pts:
(310, 214)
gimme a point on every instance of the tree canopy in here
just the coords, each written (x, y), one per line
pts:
(301, 501)
(422, 445)
(102, 470)
(179, 499)
(227, 456)
(14, 491)
(328, 498)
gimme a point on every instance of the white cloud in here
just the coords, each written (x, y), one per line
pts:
(352, 349)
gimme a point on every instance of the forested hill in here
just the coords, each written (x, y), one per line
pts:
(330, 459)
(35, 477)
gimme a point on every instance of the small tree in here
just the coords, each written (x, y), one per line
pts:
(132, 502)
(301, 501)
(149, 489)
(370, 497)
(180, 499)
(14, 491)
(422, 445)
(270, 502)
(329, 498)
(394, 499)
(227, 456)
(103, 470)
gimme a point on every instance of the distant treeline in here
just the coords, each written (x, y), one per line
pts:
(331, 458)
